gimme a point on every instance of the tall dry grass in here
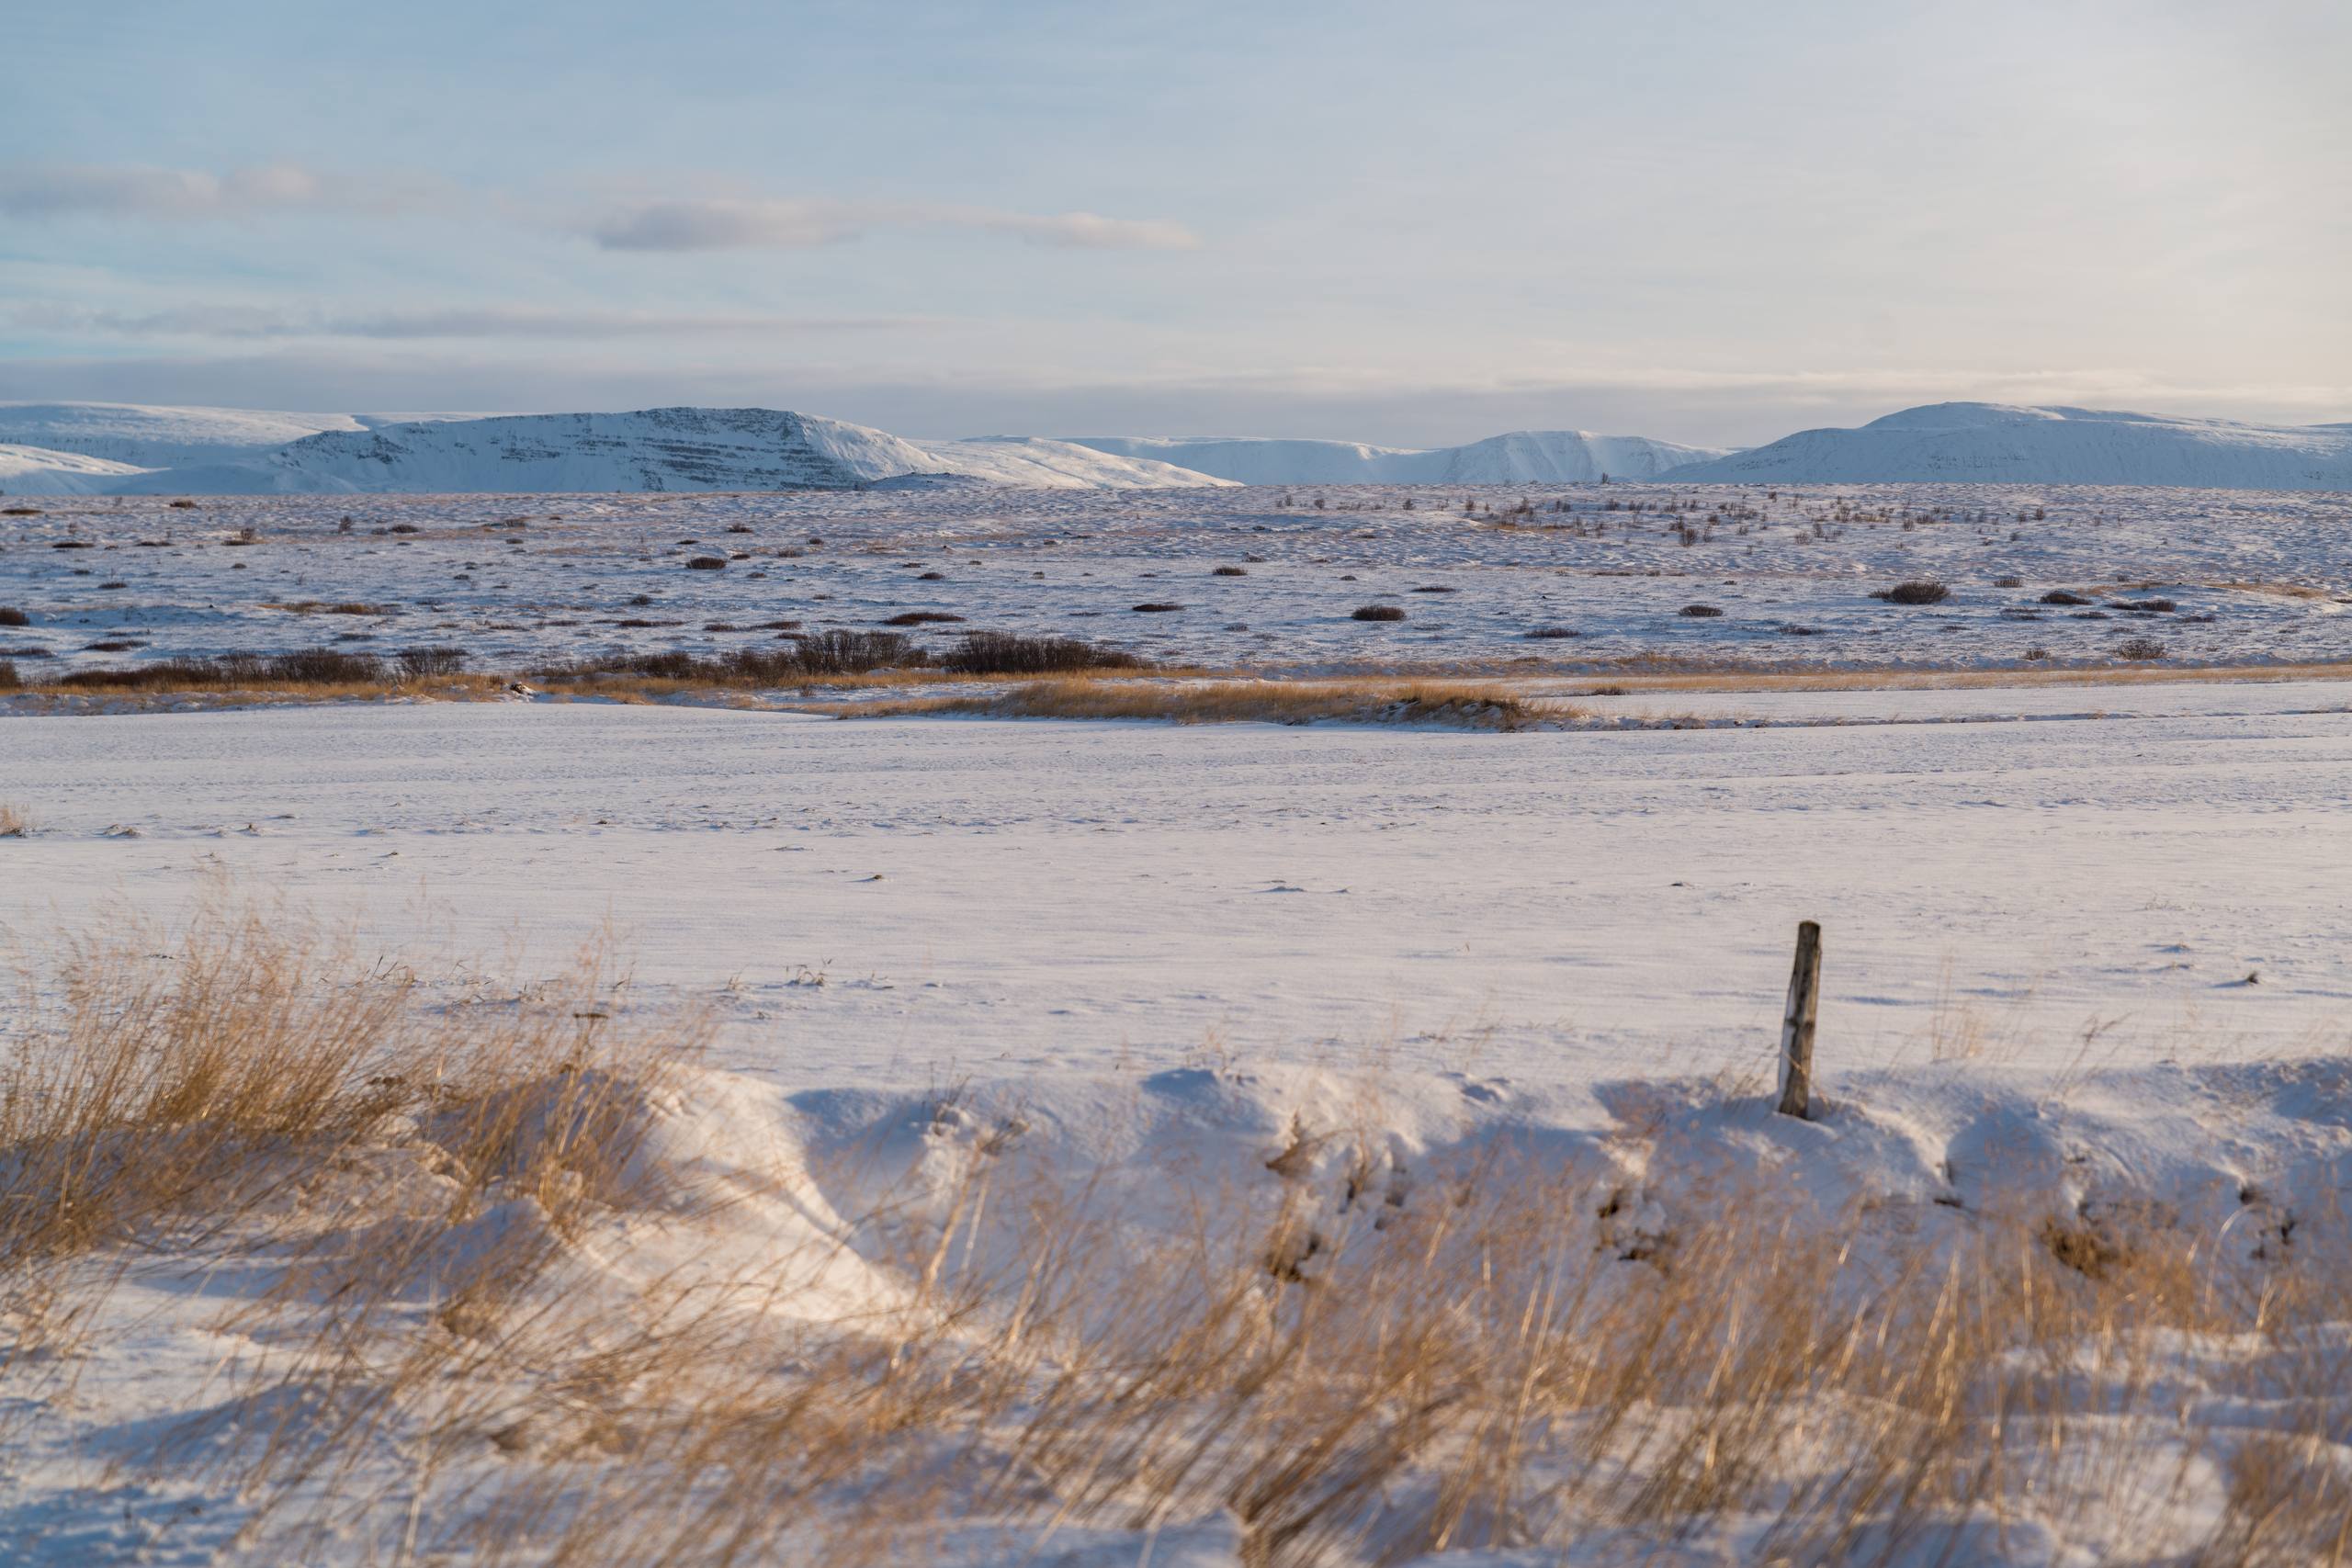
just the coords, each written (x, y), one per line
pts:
(1509, 1349)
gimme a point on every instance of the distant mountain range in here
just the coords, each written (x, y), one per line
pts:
(1523, 456)
(136, 449)
(1999, 444)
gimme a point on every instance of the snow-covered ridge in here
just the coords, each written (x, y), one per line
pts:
(1522, 456)
(2000, 443)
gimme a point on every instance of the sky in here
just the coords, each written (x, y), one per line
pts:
(1412, 224)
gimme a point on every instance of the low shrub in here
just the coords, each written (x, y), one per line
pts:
(425, 663)
(1230, 571)
(2060, 596)
(707, 563)
(1154, 609)
(921, 618)
(2139, 649)
(1699, 612)
(1376, 613)
(1543, 634)
(1923, 591)
(12, 617)
(1010, 653)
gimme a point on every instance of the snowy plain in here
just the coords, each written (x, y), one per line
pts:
(1246, 577)
(2095, 939)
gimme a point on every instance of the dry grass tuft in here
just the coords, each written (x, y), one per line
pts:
(15, 822)
(1351, 1361)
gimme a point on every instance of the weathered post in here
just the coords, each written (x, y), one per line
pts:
(1796, 1029)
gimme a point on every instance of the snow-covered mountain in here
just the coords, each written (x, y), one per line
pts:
(651, 449)
(1523, 456)
(1999, 442)
(124, 449)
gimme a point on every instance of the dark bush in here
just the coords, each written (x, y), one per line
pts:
(921, 618)
(305, 667)
(2138, 647)
(707, 563)
(8, 680)
(2146, 607)
(72, 544)
(1154, 609)
(855, 653)
(2009, 582)
(2060, 596)
(1923, 591)
(1544, 633)
(190, 506)
(1376, 613)
(324, 667)
(10, 617)
(422, 663)
(1699, 612)
(1010, 653)
(1230, 572)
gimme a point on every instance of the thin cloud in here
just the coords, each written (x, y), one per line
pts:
(253, 323)
(747, 223)
(59, 190)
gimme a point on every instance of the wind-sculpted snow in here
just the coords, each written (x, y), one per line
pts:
(1993, 442)
(1522, 457)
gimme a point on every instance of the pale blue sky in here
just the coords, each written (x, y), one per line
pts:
(1407, 223)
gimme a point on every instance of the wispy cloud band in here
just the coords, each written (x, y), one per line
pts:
(742, 223)
(32, 191)
(263, 323)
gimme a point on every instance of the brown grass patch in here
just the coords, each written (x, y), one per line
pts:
(1358, 700)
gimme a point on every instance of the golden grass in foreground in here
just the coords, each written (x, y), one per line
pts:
(1501, 1354)
(1358, 699)
(1516, 681)
(15, 823)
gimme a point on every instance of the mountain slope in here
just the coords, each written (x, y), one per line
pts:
(1035, 460)
(1999, 442)
(154, 436)
(1522, 457)
(37, 470)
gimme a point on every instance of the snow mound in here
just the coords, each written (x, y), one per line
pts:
(1997, 443)
(1522, 457)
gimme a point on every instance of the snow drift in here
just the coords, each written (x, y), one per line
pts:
(1997, 442)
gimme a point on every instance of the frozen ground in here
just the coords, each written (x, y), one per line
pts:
(977, 897)
(512, 579)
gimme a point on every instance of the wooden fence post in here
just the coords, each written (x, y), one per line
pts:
(1796, 1028)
